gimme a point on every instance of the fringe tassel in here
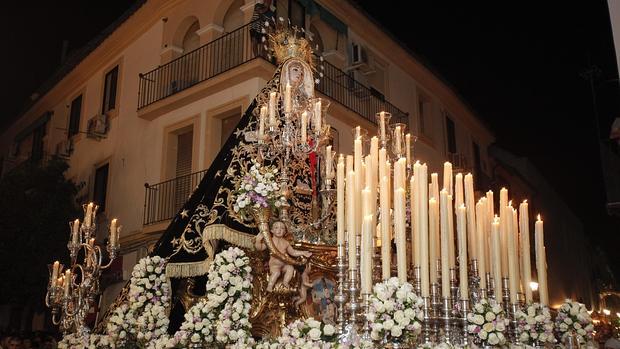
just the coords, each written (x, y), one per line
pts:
(223, 232)
(183, 270)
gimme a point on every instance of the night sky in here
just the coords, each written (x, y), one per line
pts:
(518, 67)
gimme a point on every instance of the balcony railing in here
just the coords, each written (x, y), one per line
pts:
(163, 200)
(459, 162)
(236, 48)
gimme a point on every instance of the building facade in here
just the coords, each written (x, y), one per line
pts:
(143, 111)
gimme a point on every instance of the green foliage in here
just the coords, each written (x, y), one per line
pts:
(36, 204)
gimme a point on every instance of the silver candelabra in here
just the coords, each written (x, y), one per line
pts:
(72, 292)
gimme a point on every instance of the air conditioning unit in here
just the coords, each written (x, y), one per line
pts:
(359, 59)
(98, 126)
(64, 148)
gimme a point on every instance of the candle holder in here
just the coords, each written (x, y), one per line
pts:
(464, 310)
(490, 286)
(514, 324)
(417, 279)
(454, 286)
(350, 331)
(366, 310)
(340, 298)
(474, 282)
(383, 121)
(71, 302)
(446, 319)
(435, 312)
(505, 293)
(426, 325)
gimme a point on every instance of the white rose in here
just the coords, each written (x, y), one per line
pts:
(490, 316)
(493, 340)
(388, 324)
(315, 334)
(483, 334)
(568, 321)
(396, 331)
(329, 330)
(478, 319)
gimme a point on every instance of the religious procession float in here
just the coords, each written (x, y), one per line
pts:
(285, 244)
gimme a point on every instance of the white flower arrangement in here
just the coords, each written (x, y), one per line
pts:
(258, 188)
(224, 317)
(573, 317)
(535, 325)
(143, 319)
(85, 341)
(487, 323)
(302, 334)
(395, 311)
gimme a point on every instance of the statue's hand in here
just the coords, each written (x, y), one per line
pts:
(306, 254)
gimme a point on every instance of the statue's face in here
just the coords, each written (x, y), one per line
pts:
(296, 74)
(278, 229)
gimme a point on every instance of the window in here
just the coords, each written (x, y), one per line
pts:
(424, 114)
(101, 186)
(74, 116)
(451, 135)
(37, 143)
(109, 90)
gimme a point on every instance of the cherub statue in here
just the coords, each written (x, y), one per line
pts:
(276, 265)
(304, 284)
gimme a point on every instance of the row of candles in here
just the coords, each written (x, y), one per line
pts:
(311, 116)
(80, 234)
(500, 244)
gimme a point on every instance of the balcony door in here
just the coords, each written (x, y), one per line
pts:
(183, 168)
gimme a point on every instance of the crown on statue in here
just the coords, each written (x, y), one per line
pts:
(287, 42)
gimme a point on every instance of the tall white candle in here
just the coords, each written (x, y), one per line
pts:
(288, 101)
(113, 232)
(67, 283)
(351, 215)
(366, 244)
(382, 163)
(461, 228)
(503, 221)
(386, 221)
(433, 239)
(541, 262)
(340, 203)
(374, 168)
(490, 218)
(317, 116)
(88, 217)
(496, 251)
(328, 162)
(447, 177)
(480, 243)
(445, 264)
(458, 191)
(423, 227)
(304, 127)
(526, 267)
(451, 243)
(273, 108)
(55, 268)
(415, 214)
(367, 247)
(515, 235)
(408, 148)
(512, 259)
(359, 179)
(399, 230)
(470, 204)
(382, 125)
(75, 232)
(397, 141)
(261, 123)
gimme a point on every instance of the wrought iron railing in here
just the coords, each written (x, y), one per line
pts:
(343, 88)
(238, 47)
(163, 200)
(205, 62)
